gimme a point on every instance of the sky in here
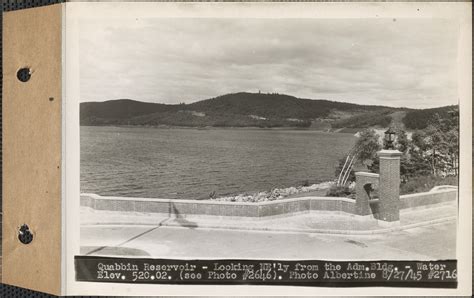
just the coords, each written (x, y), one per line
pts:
(392, 62)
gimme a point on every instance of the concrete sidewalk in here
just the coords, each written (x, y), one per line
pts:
(424, 234)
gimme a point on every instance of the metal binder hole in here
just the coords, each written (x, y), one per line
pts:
(24, 234)
(23, 74)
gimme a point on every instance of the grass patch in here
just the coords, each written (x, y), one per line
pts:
(426, 183)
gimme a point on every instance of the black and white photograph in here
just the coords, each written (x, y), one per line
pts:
(283, 138)
(247, 127)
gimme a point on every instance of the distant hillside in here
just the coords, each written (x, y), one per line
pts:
(275, 106)
(117, 111)
(240, 110)
(376, 118)
(420, 119)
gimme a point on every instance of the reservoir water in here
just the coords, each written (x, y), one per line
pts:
(175, 163)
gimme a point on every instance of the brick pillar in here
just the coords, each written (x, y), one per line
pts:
(362, 196)
(389, 185)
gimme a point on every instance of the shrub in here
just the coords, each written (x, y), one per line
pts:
(340, 191)
(425, 183)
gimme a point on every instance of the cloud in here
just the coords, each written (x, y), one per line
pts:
(406, 62)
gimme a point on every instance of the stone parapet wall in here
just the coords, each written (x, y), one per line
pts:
(253, 210)
(218, 208)
(427, 198)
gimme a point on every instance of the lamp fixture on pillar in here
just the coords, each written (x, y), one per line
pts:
(389, 138)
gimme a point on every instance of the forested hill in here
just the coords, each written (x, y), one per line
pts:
(275, 106)
(419, 119)
(243, 110)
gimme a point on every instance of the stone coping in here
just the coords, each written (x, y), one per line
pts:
(304, 198)
(309, 197)
(428, 193)
(367, 174)
(444, 187)
(389, 153)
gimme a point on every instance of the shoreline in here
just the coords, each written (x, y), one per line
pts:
(286, 128)
(276, 193)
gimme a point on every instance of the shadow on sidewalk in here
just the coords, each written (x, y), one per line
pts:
(173, 214)
(179, 218)
(116, 247)
(113, 251)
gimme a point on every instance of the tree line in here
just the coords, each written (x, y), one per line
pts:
(432, 151)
